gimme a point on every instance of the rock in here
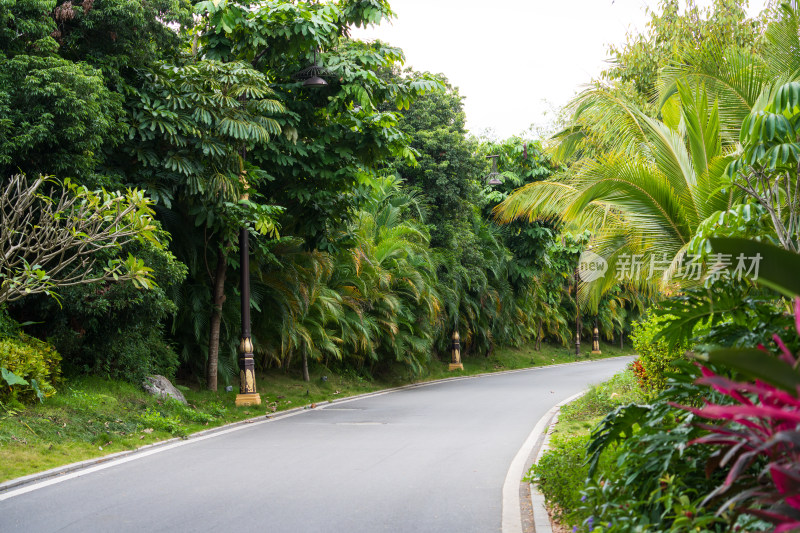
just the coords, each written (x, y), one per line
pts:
(161, 386)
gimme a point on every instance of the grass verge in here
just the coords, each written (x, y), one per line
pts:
(562, 470)
(91, 417)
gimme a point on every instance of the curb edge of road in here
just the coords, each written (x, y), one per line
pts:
(512, 508)
(19, 482)
(541, 518)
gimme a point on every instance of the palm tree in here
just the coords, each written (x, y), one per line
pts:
(400, 302)
(641, 185)
(374, 301)
(740, 79)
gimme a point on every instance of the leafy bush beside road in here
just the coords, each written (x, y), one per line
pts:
(31, 368)
(655, 355)
(562, 471)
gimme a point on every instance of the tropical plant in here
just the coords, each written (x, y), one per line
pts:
(760, 446)
(191, 127)
(644, 195)
(373, 302)
(64, 67)
(629, 498)
(49, 242)
(655, 356)
(658, 481)
(677, 29)
(114, 329)
(737, 77)
(767, 170)
(758, 430)
(446, 170)
(56, 117)
(30, 367)
(392, 250)
(332, 134)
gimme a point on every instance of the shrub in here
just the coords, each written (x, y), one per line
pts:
(756, 431)
(561, 474)
(116, 330)
(658, 480)
(155, 419)
(30, 359)
(655, 356)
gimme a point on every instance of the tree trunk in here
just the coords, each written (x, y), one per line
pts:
(306, 377)
(218, 298)
(621, 339)
(539, 337)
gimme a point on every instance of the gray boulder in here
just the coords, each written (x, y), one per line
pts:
(161, 386)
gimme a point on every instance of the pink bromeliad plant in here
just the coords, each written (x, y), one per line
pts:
(759, 433)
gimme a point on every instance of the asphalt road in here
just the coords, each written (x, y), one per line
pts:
(428, 459)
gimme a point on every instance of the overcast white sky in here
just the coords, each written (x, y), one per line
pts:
(513, 60)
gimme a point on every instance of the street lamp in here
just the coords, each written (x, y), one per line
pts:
(596, 338)
(247, 377)
(494, 177)
(455, 361)
(312, 76)
(248, 395)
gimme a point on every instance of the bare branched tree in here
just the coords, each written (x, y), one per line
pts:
(52, 240)
(779, 194)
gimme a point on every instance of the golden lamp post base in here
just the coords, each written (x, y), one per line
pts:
(250, 398)
(456, 366)
(596, 352)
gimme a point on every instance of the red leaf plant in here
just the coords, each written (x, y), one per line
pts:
(760, 428)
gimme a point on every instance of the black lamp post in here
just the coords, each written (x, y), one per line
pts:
(248, 395)
(247, 377)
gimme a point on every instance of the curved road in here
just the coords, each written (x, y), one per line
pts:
(431, 458)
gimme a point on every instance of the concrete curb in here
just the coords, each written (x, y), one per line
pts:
(541, 518)
(148, 449)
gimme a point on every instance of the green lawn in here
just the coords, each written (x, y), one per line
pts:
(91, 417)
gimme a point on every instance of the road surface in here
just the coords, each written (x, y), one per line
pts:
(427, 459)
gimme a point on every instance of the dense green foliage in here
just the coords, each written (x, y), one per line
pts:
(697, 133)
(35, 361)
(677, 30)
(562, 471)
(656, 355)
(366, 200)
(117, 330)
